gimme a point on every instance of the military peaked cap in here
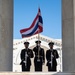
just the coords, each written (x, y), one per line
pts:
(38, 41)
(51, 43)
(26, 42)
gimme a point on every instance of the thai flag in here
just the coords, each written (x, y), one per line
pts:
(35, 28)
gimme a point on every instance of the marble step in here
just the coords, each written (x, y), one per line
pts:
(35, 73)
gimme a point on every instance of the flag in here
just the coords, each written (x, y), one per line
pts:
(35, 28)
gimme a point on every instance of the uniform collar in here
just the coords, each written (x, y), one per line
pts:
(26, 49)
(51, 49)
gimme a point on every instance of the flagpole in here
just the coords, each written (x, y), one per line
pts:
(38, 35)
(38, 40)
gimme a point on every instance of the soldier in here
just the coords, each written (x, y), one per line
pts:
(51, 56)
(25, 56)
(39, 59)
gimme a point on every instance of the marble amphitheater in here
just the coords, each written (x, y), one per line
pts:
(18, 46)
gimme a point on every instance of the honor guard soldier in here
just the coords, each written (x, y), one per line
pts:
(25, 55)
(51, 56)
(39, 58)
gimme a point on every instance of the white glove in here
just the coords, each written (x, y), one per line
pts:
(50, 62)
(52, 55)
(27, 55)
(24, 61)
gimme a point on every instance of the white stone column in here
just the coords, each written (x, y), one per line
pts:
(6, 35)
(68, 35)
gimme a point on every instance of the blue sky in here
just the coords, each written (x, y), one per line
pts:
(25, 11)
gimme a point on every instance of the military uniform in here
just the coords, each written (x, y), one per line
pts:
(51, 56)
(25, 56)
(39, 59)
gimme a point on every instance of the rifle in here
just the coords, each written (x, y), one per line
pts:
(51, 60)
(26, 55)
(38, 54)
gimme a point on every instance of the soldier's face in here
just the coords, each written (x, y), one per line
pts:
(26, 45)
(38, 44)
(51, 46)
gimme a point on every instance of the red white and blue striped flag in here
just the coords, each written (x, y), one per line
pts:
(35, 28)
